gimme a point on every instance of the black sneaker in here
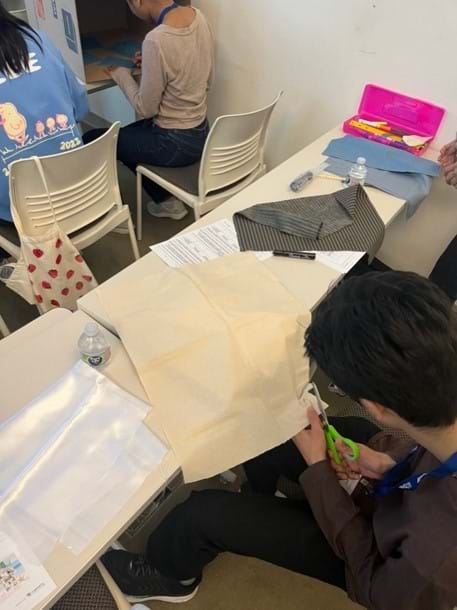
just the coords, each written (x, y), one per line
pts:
(140, 582)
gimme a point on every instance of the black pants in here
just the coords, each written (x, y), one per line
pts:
(145, 142)
(259, 525)
(445, 272)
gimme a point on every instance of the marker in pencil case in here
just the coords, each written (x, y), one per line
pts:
(307, 256)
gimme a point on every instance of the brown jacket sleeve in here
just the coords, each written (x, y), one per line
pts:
(372, 581)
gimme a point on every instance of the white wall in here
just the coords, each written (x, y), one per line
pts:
(322, 53)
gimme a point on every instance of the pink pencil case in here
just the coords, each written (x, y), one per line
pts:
(405, 116)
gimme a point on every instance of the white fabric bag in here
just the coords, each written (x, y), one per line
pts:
(219, 350)
(50, 272)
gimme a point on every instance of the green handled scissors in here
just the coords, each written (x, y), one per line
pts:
(332, 435)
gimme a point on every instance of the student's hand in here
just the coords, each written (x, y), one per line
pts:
(109, 70)
(138, 59)
(311, 442)
(371, 464)
(450, 173)
(448, 153)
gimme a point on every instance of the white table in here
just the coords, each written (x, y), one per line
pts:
(308, 281)
(32, 359)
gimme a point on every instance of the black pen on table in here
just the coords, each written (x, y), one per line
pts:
(307, 256)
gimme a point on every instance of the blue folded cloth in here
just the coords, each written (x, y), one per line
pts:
(414, 188)
(380, 156)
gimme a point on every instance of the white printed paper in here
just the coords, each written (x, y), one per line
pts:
(219, 239)
(24, 582)
(202, 245)
(340, 261)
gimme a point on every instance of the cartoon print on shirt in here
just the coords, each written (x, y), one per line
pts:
(62, 121)
(51, 125)
(14, 138)
(14, 123)
(40, 130)
(15, 126)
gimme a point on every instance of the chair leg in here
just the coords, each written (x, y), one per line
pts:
(12, 249)
(4, 330)
(197, 212)
(139, 206)
(136, 252)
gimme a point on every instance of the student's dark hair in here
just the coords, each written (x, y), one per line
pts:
(14, 54)
(391, 338)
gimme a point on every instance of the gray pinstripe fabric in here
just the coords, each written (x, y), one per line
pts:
(345, 220)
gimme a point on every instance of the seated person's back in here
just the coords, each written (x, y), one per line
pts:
(177, 67)
(41, 100)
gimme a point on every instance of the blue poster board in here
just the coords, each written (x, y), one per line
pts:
(70, 31)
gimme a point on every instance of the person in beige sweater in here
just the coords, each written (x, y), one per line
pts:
(171, 99)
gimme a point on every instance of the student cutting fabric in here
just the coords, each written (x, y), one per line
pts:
(389, 340)
(41, 101)
(177, 68)
(445, 271)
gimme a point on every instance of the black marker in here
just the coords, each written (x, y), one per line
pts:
(307, 256)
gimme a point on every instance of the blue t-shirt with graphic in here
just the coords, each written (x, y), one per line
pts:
(39, 111)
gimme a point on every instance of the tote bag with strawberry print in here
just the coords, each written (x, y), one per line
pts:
(50, 272)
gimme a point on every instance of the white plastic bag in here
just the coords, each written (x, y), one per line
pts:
(48, 493)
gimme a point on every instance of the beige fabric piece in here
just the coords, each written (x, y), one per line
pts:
(219, 350)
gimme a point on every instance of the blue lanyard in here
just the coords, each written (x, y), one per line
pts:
(393, 479)
(165, 12)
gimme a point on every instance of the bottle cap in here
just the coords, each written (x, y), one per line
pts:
(361, 160)
(91, 329)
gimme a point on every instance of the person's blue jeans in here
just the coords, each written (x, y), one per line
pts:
(144, 142)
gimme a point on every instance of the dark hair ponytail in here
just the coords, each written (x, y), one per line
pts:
(14, 53)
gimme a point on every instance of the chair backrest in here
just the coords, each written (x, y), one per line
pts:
(235, 148)
(77, 187)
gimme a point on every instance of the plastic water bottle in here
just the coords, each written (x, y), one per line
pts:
(358, 172)
(95, 349)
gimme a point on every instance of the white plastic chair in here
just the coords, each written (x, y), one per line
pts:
(83, 187)
(233, 158)
(4, 330)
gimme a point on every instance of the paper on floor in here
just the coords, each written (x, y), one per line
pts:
(202, 245)
(24, 582)
(68, 450)
(226, 371)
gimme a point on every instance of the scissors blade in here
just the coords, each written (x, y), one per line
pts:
(320, 405)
